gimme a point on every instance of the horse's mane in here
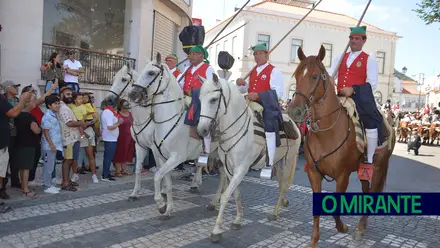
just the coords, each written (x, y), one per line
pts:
(173, 86)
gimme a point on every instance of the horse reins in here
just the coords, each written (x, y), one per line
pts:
(152, 104)
(309, 104)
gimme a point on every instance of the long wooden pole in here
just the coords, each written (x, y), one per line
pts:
(285, 36)
(335, 72)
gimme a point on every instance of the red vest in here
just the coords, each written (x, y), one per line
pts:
(356, 74)
(176, 73)
(191, 80)
(260, 82)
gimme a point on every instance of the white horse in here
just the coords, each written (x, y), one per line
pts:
(162, 104)
(225, 108)
(122, 83)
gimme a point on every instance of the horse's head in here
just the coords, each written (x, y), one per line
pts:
(122, 79)
(312, 82)
(153, 80)
(213, 104)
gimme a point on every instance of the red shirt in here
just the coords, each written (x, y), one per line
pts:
(356, 74)
(191, 80)
(38, 114)
(260, 82)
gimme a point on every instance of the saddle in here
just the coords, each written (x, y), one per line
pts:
(361, 138)
(286, 130)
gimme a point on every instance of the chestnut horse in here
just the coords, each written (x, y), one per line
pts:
(330, 149)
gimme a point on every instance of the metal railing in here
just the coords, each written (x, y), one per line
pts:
(99, 67)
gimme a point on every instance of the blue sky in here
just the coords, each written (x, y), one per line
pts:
(418, 50)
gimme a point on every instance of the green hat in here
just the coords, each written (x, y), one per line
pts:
(200, 49)
(172, 56)
(260, 47)
(358, 31)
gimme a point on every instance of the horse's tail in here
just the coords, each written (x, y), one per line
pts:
(383, 169)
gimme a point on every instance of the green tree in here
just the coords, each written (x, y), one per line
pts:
(429, 11)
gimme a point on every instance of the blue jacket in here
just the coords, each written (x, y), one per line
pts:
(272, 115)
(367, 109)
(193, 114)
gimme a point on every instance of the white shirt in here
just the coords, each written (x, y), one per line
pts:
(109, 119)
(75, 65)
(209, 72)
(372, 68)
(276, 81)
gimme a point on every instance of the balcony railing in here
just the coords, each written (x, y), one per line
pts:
(99, 67)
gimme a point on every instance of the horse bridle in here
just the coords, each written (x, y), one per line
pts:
(145, 88)
(226, 104)
(125, 87)
(323, 77)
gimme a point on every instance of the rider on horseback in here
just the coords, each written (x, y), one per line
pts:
(191, 86)
(358, 78)
(265, 79)
(171, 61)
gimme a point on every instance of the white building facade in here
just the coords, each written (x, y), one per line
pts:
(105, 33)
(269, 21)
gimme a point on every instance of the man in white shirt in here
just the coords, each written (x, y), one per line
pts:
(110, 131)
(191, 85)
(265, 78)
(359, 71)
(72, 68)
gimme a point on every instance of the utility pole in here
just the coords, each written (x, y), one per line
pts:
(420, 86)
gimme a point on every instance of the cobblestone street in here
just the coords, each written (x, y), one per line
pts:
(99, 215)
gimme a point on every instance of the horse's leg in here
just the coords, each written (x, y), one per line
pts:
(197, 179)
(341, 187)
(222, 184)
(316, 182)
(236, 179)
(362, 225)
(280, 178)
(168, 188)
(140, 156)
(236, 225)
(164, 169)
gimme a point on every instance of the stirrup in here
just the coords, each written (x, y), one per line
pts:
(203, 159)
(365, 171)
(266, 173)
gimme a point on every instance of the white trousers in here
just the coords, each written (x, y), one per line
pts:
(372, 137)
(207, 141)
(271, 146)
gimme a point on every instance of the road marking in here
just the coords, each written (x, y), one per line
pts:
(181, 235)
(57, 207)
(59, 232)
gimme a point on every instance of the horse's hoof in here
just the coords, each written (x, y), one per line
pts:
(215, 238)
(286, 203)
(358, 235)
(210, 207)
(272, 217)
(163, 209)
(194, 190)
(133, 198)
(235, 226)
(164, 217)
(344, 229)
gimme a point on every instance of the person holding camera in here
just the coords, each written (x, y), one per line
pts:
(53, 72)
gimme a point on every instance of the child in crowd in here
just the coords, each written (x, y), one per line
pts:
(79, 109)
(51, 142)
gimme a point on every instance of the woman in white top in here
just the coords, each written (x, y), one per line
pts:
(110, 131)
